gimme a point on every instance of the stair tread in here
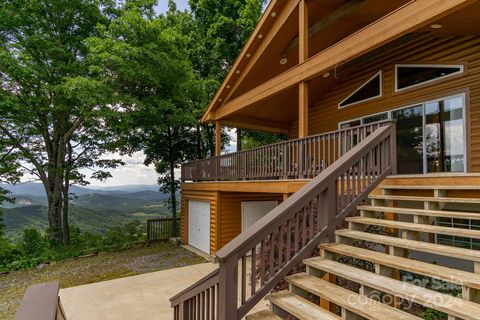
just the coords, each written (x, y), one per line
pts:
(424, 212)
(468, 233)
(358, 304)
(449, 304)
(299, 307)
(431, 199)
(449, 251)
(263, 315)
(459, 277)
(431, 187)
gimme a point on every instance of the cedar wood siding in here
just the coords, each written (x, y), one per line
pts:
(231, 212)
(324, 114)
(225, 213)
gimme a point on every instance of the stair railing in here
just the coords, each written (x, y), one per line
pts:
(258, 259)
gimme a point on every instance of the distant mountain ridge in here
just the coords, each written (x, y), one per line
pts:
(92, 209)
(36, 189)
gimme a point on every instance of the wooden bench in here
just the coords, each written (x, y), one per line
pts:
(41, 302)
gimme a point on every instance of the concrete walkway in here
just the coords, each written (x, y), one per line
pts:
(142, 297)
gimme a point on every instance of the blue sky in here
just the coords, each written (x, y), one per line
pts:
(163, 5)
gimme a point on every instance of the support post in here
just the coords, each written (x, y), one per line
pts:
(218, 138)
(302, 110)
(302, 57)
(228, 289)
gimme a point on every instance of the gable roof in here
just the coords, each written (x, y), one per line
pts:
(263, 26)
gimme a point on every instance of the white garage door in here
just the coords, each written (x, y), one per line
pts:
(252, 211)
(199, 225)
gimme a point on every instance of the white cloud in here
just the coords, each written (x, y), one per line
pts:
(133, 172)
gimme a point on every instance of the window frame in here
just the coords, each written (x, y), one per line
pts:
(379, 73)
(389, 112)
(423, 65)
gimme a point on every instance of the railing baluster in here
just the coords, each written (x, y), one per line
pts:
(253, 271)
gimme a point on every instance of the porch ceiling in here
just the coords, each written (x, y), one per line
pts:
(282, 109)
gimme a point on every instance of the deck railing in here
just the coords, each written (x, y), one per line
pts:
(260, 257)
(292, 159)
(162, 229)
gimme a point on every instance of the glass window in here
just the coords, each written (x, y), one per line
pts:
(430, 136)
(409, 139)
(369, 90)
(350, 124)
(375, 118)
(444, 135)
(413, 75)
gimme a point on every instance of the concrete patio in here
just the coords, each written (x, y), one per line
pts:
(142, 297)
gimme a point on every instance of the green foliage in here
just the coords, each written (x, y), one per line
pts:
(252, 139)
(34, 247)
(50, 119)
(128, 233)
(33, 243)
(432, 314)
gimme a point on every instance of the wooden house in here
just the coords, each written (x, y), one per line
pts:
(380, 101)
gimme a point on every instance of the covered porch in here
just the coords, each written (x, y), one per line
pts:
(326, 90)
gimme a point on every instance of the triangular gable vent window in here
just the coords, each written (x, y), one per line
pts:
(371, 89)
(412, 75)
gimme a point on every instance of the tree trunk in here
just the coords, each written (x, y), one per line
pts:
(66, 199)
(66, 208)
(55, 216)
(239, 139)
(199, 142)
(210, 139)
(173, 189)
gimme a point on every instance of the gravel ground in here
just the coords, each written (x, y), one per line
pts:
(105, 266)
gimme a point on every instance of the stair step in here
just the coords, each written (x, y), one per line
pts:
(263, 315)
(430, 187)
(449, 304)
(451, 275)
(442, 250)
(422, 212)
(299, 307)
(423, 199)
(459, 232)
(358, 304)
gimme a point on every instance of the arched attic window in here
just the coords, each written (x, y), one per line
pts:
(371, 89)
(411, 75)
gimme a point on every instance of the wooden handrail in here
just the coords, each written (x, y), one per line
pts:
(41, 302)
(297, 158)
(265, 253)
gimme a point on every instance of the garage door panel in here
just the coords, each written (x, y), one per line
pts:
(199, 225)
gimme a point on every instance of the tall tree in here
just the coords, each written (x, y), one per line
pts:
(48, 111)
(143, 59)
(218, 34)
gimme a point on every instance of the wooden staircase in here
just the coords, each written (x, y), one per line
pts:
(395, 261)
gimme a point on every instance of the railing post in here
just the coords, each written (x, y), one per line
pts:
(181, 311)
(148, 231)
(393, 148)
(301, 160)
(328, 208)
(244, 165)
(227, 289)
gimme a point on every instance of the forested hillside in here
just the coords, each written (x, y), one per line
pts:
(94, 210)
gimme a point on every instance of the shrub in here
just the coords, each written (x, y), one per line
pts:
(33, 243)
